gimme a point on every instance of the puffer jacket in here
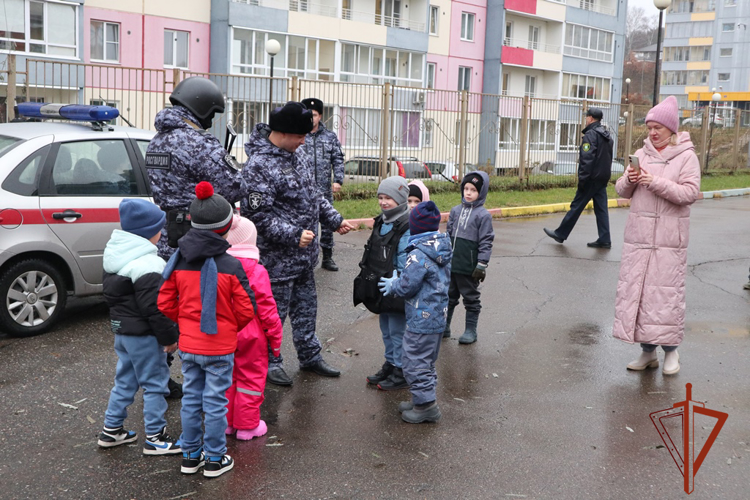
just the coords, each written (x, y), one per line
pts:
(650, 303)
(470, 231)
(132, 277)
(595, 158)
(424, 282)
(324, 151)
(283, 201)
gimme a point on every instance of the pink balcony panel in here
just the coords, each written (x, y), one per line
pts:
(528, 6)
(517, 56)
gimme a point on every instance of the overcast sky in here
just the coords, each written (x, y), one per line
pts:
(648, 6)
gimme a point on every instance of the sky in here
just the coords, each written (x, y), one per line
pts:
(648, 6)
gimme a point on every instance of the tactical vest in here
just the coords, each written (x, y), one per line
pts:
(376, 263)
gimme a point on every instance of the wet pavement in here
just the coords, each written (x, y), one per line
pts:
(540, 407)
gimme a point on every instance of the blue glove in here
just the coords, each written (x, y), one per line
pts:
(385, 284)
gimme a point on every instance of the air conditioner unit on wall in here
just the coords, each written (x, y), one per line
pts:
(418, 98)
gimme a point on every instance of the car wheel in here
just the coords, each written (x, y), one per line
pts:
(33, 295)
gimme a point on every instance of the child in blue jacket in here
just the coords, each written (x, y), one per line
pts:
(424, 284)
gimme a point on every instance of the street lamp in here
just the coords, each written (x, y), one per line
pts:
(272, 48)
(627, 91)
(715, 98)
(661, 5)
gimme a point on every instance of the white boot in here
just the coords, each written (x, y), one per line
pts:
(671, 363)
(645, 360)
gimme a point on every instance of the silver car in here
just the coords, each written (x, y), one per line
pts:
(60, 188)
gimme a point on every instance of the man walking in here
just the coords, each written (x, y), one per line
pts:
(594, 171)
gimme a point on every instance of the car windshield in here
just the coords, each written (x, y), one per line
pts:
(7, 143)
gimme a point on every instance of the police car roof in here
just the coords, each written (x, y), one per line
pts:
(68, 130)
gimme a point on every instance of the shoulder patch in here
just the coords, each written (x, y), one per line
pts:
(254, 200)
(232, 163)
(159, 160)
(586, 147)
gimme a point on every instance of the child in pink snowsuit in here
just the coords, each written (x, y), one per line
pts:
(251, 358)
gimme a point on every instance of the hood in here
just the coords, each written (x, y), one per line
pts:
(423, 189)
(482, 194)
(436, 245)
(123, 248)
(259, 144)
(200, 244)
(599, 129)
(172, 118)
(683, 144)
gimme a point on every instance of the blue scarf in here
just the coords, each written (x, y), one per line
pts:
(209, 285)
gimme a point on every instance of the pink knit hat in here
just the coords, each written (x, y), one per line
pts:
(242, 236)
(665, 113)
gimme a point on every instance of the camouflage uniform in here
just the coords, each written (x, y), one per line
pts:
(324, 151)
(283, 201)
(187, 154)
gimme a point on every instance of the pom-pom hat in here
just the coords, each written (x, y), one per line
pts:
(666, 113)
(424, 217)
(210, 211)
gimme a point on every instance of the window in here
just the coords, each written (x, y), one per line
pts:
(724, 77)
(509, 135)
(589, 43)
(530, 88)
(508, 33)
(730, 3)
(695, 77)
(727, 27)
(365, 64)
(93, 168)
(429, 124)
(434, 18)
(585, 87)
(725, 53)
(696, 53)
(176, 49)
(570, 136)
(406, 129)
(105, 41)
(39, 28)
(533, 38)
(506, 83)
(541, 134)
(245, 115)
(431, 67)
(464, 78)
(24, 179)
(360, 128)
(467, 26)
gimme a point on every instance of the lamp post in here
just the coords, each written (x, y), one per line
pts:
(661, 5)
(627, 91)
(272, 48)
(715, 98)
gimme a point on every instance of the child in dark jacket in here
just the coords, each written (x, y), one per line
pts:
(424, 284)
(207, 293)
(470, 231)
(143, 335)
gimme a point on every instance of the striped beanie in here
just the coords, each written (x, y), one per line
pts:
(210, 211)
(424, 218)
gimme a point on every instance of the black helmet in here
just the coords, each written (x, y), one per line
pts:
(201, 96)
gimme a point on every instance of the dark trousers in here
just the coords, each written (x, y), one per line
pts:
(463, 285)
(596, 191)
(420, 354)
(326, 236)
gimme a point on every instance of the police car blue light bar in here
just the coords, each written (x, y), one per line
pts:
(78, 112)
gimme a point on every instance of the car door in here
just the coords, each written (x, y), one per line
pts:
(80, 195)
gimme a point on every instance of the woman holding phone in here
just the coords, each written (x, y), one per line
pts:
(662, 181)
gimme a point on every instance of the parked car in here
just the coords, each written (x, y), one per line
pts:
(369, 167)
(697, 120)
(447, 170)
(60, 188)
(571, 168)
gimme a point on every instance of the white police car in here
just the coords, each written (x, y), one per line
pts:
(60, 188)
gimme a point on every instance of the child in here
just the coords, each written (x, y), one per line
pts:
(418, 193)
(470, 230)
(143, 335)
(206, 292)
(251, 358)
(385, 252)
(424, 284)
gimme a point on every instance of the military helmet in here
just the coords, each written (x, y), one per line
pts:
(200, 95)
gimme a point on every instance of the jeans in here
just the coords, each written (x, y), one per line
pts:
(141, 362)
(596, 191)
(206, 380)
(652, 347)
(393, 326)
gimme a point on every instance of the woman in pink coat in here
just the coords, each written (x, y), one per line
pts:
(251, 358)
(650, 304)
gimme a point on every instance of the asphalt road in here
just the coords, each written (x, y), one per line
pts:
(540, 407)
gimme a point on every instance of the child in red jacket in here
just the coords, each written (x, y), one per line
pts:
(251, 358)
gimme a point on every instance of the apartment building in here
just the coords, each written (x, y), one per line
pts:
(704, 43)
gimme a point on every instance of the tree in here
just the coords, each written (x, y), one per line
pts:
(640, 29)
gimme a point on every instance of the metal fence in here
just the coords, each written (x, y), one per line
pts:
(387, 129)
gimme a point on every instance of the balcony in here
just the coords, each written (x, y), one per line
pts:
(381, 20)
(527, 44)
(606, 7)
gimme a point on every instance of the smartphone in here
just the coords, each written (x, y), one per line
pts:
(635, 163)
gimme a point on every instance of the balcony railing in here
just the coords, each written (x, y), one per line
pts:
(390, 21)
(593, 6)
(526, 44)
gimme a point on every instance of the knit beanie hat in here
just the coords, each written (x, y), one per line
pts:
(210, 211)
(396, 188)
(415, 191)
(665, 113)
(313, 104)
(141, 217)
(424, 217)
(242, 236)
(292, 118)
(475, 179)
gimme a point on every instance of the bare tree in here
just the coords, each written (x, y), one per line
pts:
(640, 29)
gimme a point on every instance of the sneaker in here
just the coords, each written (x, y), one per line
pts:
(192, 461)
(216, 466)
(161, 444)
(395, 382)
(248, 434)
(115, 437)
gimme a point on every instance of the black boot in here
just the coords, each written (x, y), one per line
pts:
(448, 318)
(470, 334)
(384, 372)
(395, 381)
(175, 389)
(328, 262)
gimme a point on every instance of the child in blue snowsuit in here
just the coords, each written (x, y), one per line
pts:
(424, 284)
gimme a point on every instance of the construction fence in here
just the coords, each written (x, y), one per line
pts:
(386, 129)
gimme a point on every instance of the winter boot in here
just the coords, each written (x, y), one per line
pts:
(328, 262)
(671, 363)
(382, 374)
(394, 382)
(448, 318)
(645, 360)
(428, 412)
(470, 334)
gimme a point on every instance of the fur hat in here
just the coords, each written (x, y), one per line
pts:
(313, 104)
(141, 217)
(292, 118)
(424, 217)
(665, 113)
(396, 188)
(243, 236)
(210, 211)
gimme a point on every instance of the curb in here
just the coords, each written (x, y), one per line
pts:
(499, 213)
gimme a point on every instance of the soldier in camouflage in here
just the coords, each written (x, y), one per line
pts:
(183, 153)
(324, 150)
(286, 205)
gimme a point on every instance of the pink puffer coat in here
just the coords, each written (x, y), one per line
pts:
(650, 304)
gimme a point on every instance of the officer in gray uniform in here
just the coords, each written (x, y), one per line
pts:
(183, 153)
(324, 150)
(286, 206)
